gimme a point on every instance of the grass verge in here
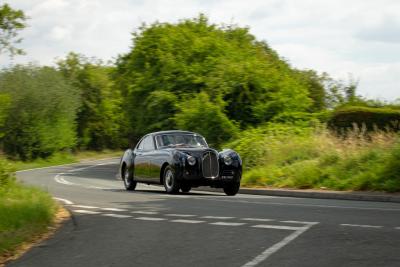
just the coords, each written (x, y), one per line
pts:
(319, 159)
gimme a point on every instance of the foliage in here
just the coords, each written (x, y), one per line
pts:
(244, 78)
(41, 116)
(199, 114)
(100, 115)
(319, 159)
(372, 118)
(25, 212)
(11, 22)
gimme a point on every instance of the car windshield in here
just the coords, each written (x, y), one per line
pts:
(180, 140)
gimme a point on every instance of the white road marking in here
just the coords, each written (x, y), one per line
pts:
(145, 212)
(257, 219)
(61, 180)
(361, 225)
(180, 215)
(64, 165)
(187, 221)
(113, 209)
(66, 201)
(84, 207)
(86, 211)
(210, 198)
(397, 228)
(271, 250)
(150, 219)
(300, 222)
(116, 215)
(227, 223)
(217, 217)
(280, 227)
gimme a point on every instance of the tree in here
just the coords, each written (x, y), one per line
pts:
(100, 116)
(11, 22)
(41, 113)
(200, 115)
(243, 77)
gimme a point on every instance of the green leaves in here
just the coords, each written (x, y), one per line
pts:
(200, 115)
(11, 22)
(244, 81)
(41, 114)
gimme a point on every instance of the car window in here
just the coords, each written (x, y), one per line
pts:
(140, 145)
(148, 143)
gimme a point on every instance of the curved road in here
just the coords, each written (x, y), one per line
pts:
(113, 227)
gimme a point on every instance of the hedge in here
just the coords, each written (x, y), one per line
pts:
(373, 118)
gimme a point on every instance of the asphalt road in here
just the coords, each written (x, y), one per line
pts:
(113, 227)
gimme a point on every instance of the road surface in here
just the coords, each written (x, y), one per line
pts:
(147, 227)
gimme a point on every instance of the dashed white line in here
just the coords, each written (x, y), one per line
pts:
(84, 207)
(397, 228)
(300, 222)
(145, 212)
(217, 217)
(180, 215)
(113, 209)
(281, 227)
(187, 221)
(227, 223)
(150, 219)
(361, 225)
(116, 215)
(66, 201)
(257, 219)
(86, 211)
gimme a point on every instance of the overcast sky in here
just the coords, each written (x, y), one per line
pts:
(341, 37)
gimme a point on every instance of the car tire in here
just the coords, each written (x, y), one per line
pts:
(171, 184)
(185, 188)
(231, 189)
(127, 176)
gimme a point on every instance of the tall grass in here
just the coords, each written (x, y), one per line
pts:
(24, 211)
(318, 158)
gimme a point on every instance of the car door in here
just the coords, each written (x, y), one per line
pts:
(140, 162)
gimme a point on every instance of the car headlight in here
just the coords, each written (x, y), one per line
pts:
(228, 160)
(191, 160)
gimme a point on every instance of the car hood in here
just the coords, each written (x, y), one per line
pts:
(193, 151)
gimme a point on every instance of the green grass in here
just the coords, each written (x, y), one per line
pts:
(24, 213)
(318, 159)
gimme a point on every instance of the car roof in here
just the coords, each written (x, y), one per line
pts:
(174, 131)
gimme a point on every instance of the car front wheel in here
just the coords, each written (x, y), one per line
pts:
(170, 182)
(231, 189)
(129, 183)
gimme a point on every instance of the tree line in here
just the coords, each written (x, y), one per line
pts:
(214, 79)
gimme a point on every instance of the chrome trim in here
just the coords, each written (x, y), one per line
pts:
(209, 153)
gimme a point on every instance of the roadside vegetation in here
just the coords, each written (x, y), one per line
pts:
(305, 158)
(25, 212)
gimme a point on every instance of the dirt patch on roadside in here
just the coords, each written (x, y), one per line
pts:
(61, 216)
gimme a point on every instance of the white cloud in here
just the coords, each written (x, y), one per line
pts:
(336, 36)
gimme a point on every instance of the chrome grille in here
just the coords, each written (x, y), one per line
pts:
(210, 165)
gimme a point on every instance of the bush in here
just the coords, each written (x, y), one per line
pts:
(345, 118)
(6, 174)
(41, 113)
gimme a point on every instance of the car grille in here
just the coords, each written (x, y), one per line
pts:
(210, 165)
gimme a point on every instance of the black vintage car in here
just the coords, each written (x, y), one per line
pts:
(180, 160)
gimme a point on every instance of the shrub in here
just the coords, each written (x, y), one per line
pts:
(373, 118)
